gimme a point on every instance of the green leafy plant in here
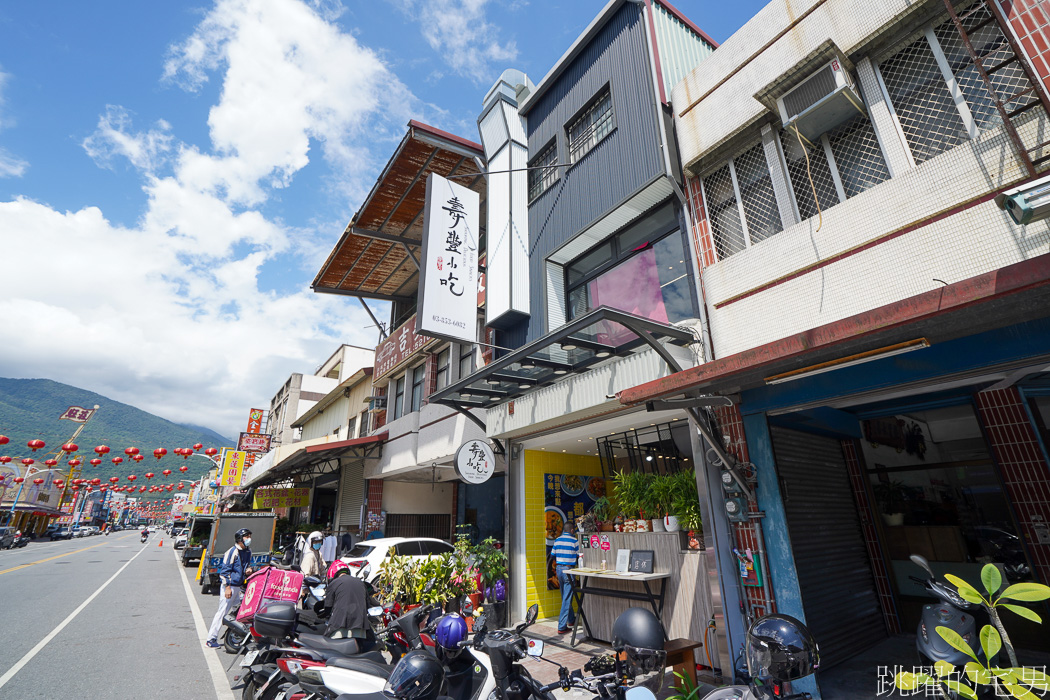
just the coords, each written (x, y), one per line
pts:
(491, 562)
(685, 501)
(1016, 680)
(660, 494)
(603, 509)
(685, 689)
(630, 491)
(397, 580)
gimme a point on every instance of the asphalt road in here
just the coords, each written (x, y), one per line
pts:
(105, 617)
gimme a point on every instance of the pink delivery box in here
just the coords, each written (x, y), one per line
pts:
(266, 584)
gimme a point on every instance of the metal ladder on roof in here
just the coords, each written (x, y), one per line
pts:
(1007, 115)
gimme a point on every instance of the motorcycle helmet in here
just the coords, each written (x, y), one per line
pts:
(780, 648)
(241, 534)
(451, 630)
(499, 591)
(337, 567)
(417, 676)
(639, 634)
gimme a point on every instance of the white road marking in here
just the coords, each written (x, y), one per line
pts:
(62, 625)
(219, 679)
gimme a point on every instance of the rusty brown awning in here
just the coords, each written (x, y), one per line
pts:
(377, 255)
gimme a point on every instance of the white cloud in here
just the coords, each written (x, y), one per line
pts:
(460, 33)
(169, 314)
(10, 166)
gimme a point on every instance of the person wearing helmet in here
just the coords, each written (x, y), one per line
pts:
(779, 649)
(234, 569)
(638, 639)
(313, 563)
(346, 603)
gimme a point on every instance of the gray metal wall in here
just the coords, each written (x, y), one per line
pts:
(616, 168)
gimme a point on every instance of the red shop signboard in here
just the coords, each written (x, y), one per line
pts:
(398, 347)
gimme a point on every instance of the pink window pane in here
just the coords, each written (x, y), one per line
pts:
(634, 287)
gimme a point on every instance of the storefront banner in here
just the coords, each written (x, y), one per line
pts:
(232, 468)
(474, 462)
(399, 347)
(268, 499)
(566, 496)
(254, 442)
(448, 271)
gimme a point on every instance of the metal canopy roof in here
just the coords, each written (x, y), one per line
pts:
(377, 257)
(320, 459)
(598, 336)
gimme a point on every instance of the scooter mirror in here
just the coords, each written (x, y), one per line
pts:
(376, 611)
(639, 693)
(533, 611)
(921, 562)
(535, 647)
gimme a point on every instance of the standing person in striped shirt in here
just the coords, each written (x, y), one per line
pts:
(566, 551)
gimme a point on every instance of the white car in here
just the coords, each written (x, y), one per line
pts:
(181, 535)
(371, 553)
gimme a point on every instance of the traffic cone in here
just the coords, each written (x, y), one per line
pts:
(161, 543)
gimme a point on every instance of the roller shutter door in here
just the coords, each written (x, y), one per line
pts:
(351, 495)
(834, 573)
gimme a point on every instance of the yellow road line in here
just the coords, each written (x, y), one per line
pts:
(57, 556)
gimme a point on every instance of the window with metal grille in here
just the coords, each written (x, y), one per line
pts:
(543, 171)
(726, 227)
(924, 106)
(756, 194)
(437, 525)
(592, 126)
(996, 56)
(857, 155)
(795, 152)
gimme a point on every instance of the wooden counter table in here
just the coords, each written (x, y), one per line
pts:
(582, 587)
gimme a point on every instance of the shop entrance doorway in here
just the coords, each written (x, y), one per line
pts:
(831, 559)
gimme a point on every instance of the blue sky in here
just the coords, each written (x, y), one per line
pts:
(173, 174)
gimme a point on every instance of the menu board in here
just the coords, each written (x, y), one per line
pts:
(566, 496)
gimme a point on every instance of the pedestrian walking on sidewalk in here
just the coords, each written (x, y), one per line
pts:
(233, 570)
(566, 552)
(313, 563)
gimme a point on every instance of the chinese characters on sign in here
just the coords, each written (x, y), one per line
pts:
(449, 268)
(232, 468)
(398, 347)
(255, 417)
(77, 414)
(254, 442)
(268, 499)
(475, 462)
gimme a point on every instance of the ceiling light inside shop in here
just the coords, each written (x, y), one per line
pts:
(569, 346)
(523, 385)
(527, 364)
(603, 353)
(561, 371)
(493, 382)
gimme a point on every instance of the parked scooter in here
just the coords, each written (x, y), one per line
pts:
(952, 612)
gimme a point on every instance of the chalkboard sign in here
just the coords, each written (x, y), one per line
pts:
(641, 561)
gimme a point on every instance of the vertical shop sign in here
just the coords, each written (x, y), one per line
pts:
(232, 468)
(255, 417)
(448, 271)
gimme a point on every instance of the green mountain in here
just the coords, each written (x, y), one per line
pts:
(30, 409)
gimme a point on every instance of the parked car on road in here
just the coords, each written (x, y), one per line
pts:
(181, 535)
(373, 552)
(61, 533)
(80, 532)
(7, 537)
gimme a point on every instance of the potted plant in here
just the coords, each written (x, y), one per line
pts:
(659, 498)
(686, 506)
(629, 489)
(891, 495)
(398, 581)
(604, 512)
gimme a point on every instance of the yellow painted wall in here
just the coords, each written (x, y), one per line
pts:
(538, 463)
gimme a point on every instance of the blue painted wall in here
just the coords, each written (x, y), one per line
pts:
(616, 168)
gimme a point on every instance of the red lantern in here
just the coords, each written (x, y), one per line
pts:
(149, 475)
(28, 462)
(78, 482)
(131, 477)
(4, 439)
(35, 445)
(38, 481)
(69, 447)
(159, 452)
(181, 486)
(101, 450)
(117, 460)
(142, 489)
(96, 461)
(51, 462)
(114, 479)
(137, 458)
(211, 452)
(5, 459)
(59, 483)
(19, 480)
(96, 481)
(184, 469)
(76, 463)
(186, 452)
(166, 472)
(103, 488)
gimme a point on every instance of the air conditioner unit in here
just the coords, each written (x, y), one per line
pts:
(376, 404)
(821, 102)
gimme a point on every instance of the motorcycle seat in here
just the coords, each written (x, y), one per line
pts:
(364, 663)
(339, 647)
